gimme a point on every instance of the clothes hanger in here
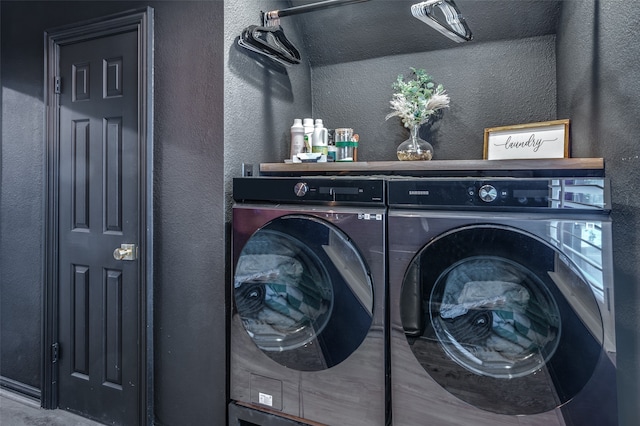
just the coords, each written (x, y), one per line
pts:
(454, 26)
(269, 40)
(274, 40)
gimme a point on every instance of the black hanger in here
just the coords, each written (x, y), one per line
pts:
(274, 38)
(270, 41)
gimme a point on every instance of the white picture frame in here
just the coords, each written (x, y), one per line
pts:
(546, 139)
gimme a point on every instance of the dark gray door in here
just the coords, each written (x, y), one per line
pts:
(99, 210)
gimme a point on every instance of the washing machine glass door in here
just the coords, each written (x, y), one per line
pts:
(509, 326)
(303, 292)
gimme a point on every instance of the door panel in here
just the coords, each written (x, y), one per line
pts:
(99, 209)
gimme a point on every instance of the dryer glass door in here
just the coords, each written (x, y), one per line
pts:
(502, 320)
(303, 292)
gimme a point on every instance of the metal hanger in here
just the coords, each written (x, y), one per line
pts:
(445, 17)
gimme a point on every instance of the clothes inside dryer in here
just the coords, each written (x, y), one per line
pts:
(494, 317)
(303, 293)
(485, 314)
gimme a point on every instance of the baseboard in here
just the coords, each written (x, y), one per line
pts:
(21, 388)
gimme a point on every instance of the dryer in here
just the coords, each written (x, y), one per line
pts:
(501, 302)
(309, 284)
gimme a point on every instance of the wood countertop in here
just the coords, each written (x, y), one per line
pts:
(547, 167)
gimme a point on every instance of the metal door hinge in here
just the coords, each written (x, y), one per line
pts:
(57, 85)
(55, 350)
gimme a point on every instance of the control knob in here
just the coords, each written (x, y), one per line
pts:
(301, 189)
(487, 193)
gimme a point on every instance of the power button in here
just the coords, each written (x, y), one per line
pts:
(488, 193)
(301, 189)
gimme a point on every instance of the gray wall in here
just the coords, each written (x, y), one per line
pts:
(190, 337)
(490, 84)
(599, 88)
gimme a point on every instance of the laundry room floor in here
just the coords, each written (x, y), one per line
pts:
(17, 410)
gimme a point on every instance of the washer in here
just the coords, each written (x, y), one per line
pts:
(309, 283)
(501, 302)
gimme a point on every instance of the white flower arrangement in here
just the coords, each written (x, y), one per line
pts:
(418, 99)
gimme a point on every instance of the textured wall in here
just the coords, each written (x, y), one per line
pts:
(381, 28)
(21, 228)
(490, 84)
(190, 349)
(189, 218)
(261, 99)
(599, 88)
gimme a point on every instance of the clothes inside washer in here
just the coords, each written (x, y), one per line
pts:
(287, 289)
(250, 297)
(282, 294)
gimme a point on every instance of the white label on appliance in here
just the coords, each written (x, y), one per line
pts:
(369, 216)
(265, 399)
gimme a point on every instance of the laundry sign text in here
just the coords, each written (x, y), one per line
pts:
(549, 139)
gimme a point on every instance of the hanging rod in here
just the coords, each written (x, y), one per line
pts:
(276, 14)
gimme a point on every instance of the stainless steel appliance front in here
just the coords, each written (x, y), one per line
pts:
(307, 325)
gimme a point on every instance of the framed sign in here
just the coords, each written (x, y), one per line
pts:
(548, 139)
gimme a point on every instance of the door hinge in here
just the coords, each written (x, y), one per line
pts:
(55, 350)
(57, 84)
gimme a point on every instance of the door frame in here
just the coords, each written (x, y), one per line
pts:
(140, 20)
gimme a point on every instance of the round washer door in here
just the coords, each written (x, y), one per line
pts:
(303, 292)
(504, 320)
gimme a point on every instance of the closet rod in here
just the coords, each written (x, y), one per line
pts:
(275, 14)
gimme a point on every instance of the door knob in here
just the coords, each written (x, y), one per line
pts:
(126, 252)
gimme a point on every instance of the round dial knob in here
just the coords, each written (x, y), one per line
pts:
(487, 193)
(301, 189)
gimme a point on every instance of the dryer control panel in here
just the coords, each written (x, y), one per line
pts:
(500, 193)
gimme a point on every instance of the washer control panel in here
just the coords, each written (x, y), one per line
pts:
(312, 190)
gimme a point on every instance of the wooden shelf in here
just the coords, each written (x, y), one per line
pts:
(550, 167)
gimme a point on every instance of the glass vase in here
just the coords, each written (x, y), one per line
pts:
(415, 148)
